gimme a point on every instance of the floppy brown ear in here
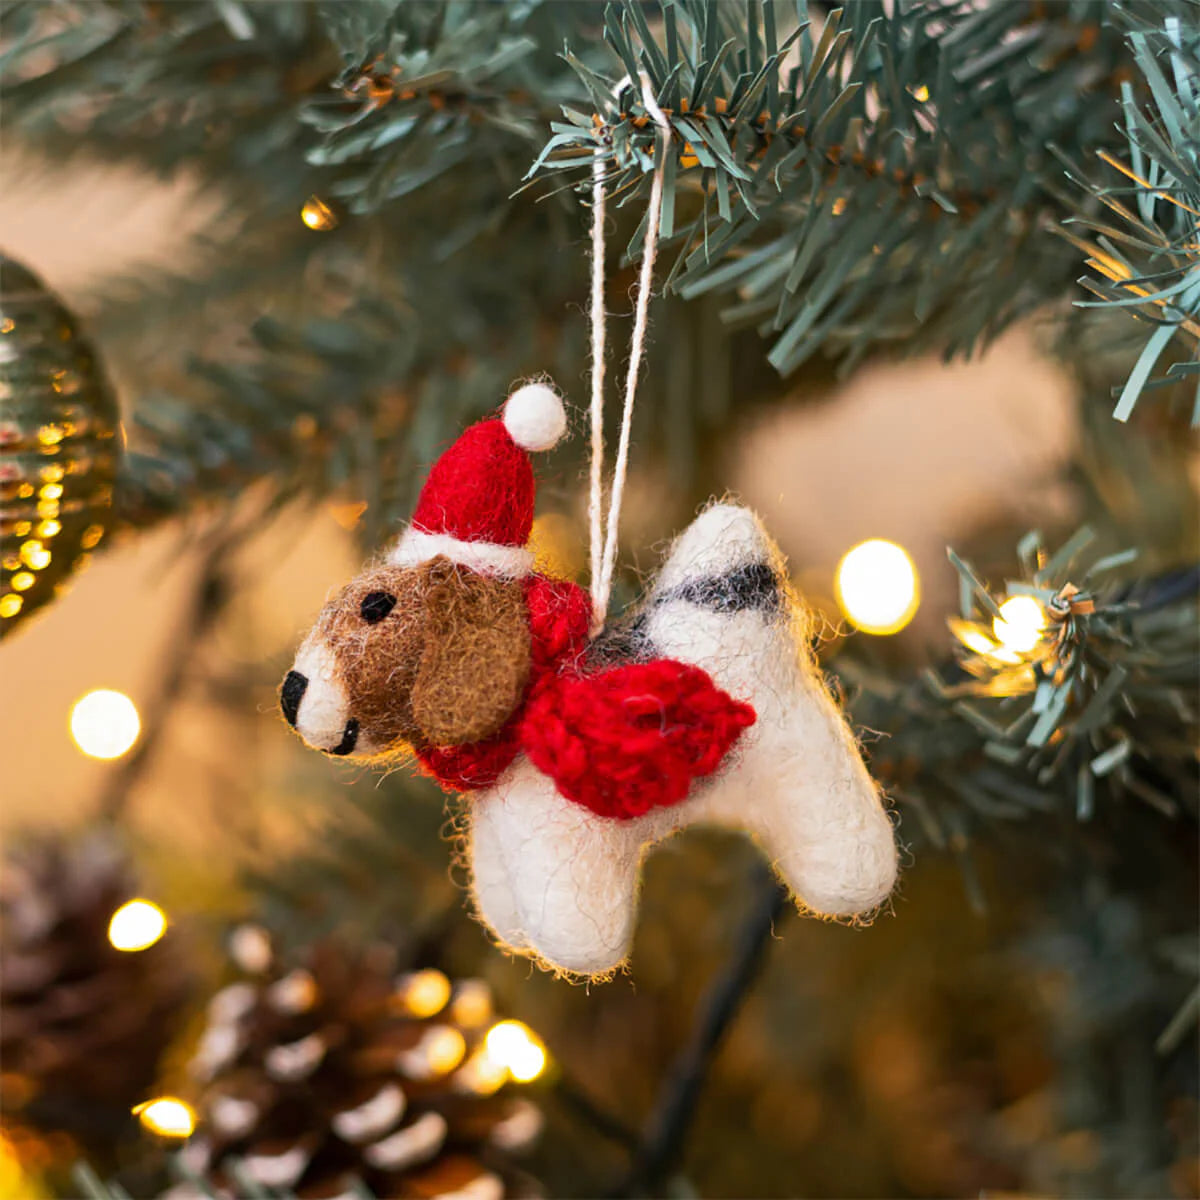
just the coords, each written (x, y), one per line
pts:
(475, 664)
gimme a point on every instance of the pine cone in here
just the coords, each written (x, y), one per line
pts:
(339, 1074)
(82, 1025)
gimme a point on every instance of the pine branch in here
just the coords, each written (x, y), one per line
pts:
(1098, 704)
(361, 394)
(841, 199)
(1148, 262)
(831, 183)
(431, 89)
(210, 85)
(251, 96)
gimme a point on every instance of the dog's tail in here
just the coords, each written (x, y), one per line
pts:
(721, 602)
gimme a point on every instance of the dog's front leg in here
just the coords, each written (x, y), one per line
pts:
(572, 876)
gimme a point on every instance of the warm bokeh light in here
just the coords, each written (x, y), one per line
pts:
(35, 555)
(974, 640)
(10, 604)
(423, 993)
(296, 992)
(105, 723)
(481, 1074)
(167, 1116)
(137, 925)
(19, 1162)
(1020, 624)
(517, 1049)
(91, 536)
(444, 1049)
(316, 214)
(472, 1003)
(556, 545)
(877, 587)
(250, 947)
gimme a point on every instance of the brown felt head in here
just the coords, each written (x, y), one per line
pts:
(428, 655)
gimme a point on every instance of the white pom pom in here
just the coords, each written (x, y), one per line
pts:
(534, 417)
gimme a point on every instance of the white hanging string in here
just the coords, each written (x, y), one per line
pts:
(595, 490)
(603, 564)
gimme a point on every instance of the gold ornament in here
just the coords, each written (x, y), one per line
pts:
(59, 447)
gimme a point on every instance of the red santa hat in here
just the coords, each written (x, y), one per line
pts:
(476, 507)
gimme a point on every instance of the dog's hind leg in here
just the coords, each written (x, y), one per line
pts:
(796, 778)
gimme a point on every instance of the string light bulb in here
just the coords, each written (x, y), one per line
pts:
(1020, 624)
(35, 555)
(317, 215)
(440, 1049)
(167, 1116)
(136, 925)
(517, 1048)
(975, 640)
(423, 993)
(481, 1074)
(445, 1049)
(472, 1003)
(105, 723)
(877, 587)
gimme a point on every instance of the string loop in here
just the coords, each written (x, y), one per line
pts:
(595, 489)
(603, 535)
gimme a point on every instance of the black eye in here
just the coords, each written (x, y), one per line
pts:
(376, 606)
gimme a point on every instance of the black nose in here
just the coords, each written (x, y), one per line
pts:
(349, 738)
(291, 694)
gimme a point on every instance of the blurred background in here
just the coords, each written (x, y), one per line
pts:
(289, 323)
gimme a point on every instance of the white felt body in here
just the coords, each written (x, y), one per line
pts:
(554, 880)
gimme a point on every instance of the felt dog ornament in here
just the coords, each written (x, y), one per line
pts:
(575, 754)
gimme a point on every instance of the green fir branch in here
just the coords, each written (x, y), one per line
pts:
(884, 178)
(1101, 704)
(354, 391)
(1144, 247)
(433, 87)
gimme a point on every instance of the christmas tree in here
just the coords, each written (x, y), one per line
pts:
(918, 281)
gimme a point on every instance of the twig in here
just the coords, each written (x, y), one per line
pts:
(1184, 1018)
(669, 1123)
(581, 1105)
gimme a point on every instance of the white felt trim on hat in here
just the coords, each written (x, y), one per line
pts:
(416, 546)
